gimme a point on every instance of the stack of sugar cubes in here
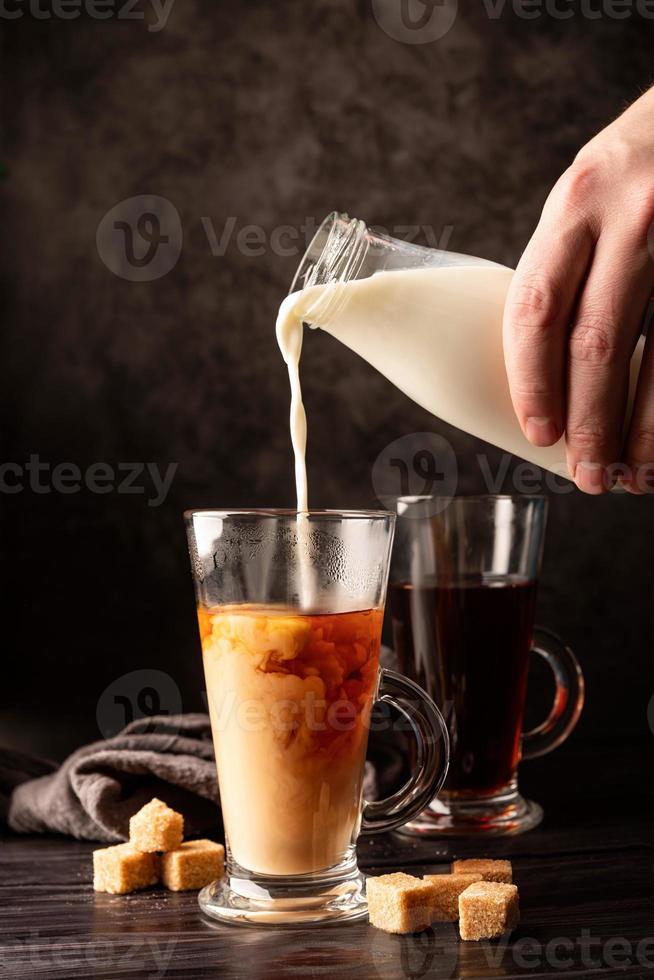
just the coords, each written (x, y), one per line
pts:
(479, 893)
(156, 852)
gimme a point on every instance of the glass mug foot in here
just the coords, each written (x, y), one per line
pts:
(336, 895)
(506, 814)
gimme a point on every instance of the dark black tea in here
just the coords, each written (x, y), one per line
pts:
(468, 646)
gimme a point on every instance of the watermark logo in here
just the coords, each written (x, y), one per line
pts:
(421, 464)
(138, 694)
(140, 238)
(433, 952)
(415, 21)
(423, 467)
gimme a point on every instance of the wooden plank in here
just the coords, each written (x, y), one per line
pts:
(576, 906)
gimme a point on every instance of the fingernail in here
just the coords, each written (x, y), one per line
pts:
(591, 477)
(541, 430)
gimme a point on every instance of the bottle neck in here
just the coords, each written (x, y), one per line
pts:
(335, 254)
(344, 249)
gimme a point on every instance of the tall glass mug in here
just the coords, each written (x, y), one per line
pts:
(290, 608)
(462, 599)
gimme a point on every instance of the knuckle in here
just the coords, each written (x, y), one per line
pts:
(589, 437)
(534, 308)
(641, 446)
(577, 184)
(594, 339)
(537, 389)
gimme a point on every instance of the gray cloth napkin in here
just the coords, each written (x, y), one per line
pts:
(100, 786)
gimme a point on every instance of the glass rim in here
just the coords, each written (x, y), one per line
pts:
(324, 513)
(473, 497)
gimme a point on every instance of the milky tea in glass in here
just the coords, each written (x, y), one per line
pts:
(290, 607)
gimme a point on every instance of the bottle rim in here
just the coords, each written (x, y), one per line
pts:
(334, 254)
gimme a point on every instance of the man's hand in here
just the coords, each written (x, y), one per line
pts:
(576, 307)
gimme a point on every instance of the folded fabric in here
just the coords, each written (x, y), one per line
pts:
(100, 786)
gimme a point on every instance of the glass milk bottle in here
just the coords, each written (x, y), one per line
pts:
(429, 320)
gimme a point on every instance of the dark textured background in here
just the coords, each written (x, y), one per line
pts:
(268, 113)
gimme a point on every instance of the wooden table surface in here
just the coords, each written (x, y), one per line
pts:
(585, 879)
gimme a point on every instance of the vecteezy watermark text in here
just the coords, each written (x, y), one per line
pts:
(309, 713)
(140, 238)
(43, 477)
(145, 954)
(427, 21)
(423, 465)
(95, 9)
(565, 9)
(419, 955)
(289, 240)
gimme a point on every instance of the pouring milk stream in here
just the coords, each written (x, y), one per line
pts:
(434, 330)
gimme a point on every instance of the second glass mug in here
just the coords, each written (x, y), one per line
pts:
(462, 603)
(290, 608)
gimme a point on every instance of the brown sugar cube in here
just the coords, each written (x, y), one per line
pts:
(400, 903)
(447, 889)
(156, 827)
(488, 909)
(194, 864)
(121, 869)
(489, 870)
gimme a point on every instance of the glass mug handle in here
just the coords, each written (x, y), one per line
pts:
(568, 696)
(433, 754)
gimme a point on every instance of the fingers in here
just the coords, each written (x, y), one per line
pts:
(606, 326)
(639, 448)
(572, 318)
(537, 316)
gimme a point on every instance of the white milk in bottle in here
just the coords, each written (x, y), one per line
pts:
(429, 321)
